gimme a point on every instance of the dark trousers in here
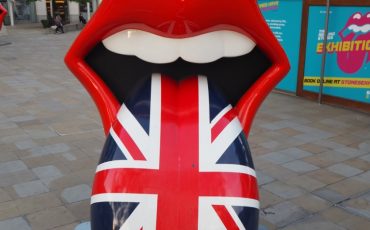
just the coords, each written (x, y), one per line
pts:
(59, 28)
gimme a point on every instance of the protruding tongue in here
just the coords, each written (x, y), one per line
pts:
(352, 61)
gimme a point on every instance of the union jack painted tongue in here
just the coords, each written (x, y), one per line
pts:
(180, 161)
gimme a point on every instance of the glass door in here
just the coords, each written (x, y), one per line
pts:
(55, 7)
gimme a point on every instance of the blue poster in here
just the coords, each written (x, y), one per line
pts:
(347, 69)
(284, 18)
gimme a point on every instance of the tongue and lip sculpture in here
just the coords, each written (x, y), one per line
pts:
(3, 12)
(357, 33)
(176, 154)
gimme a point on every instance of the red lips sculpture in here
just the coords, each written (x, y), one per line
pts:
(177, 84)
(3, 12)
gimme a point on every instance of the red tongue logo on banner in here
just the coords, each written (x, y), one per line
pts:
(355, 43)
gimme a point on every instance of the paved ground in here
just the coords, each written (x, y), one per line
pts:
(313, 162)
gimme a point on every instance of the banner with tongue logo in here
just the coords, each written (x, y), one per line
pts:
(287, 30)
(347, 70)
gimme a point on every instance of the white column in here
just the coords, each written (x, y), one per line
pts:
(41, 11)
(74, 11)
(11, 13)
(88, 11)
(51, 9)
(94, 5)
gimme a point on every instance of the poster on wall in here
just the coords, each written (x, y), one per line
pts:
(347, 69)
(287, 29)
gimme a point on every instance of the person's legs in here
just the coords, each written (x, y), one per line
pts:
(59, 28)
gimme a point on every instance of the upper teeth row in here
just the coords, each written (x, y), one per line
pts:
(203, 48)
(356, 28)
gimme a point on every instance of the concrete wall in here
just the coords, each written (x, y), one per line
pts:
(74, 11)
(41, 10)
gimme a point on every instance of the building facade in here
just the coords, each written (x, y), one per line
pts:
(21, 12)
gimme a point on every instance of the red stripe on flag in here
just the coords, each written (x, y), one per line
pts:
(222, 123)
(123, 180)
(225, 217)
(131, 146)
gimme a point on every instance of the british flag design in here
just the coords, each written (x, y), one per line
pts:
(176, 158)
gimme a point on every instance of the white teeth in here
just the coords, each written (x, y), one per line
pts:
(203, 48)
(364, 29)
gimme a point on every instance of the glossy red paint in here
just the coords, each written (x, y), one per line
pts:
(177, 19)
(128, 142)
(3, 12)
(226, 218)
(222, 123)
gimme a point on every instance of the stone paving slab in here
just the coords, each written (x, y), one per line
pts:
(12, 166)
(345, 219)
(283, 213)
(306, 182)
(11, 179)
(263, 178)
(30, 188)
(312, 162)
(47, 174)
(345, 170)
(76, 193)
(314, 222)
(300, 166)
(17, 223)
(28, 205)
(284, 190)
(330, 195)
(359, 206)
(51, 218)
